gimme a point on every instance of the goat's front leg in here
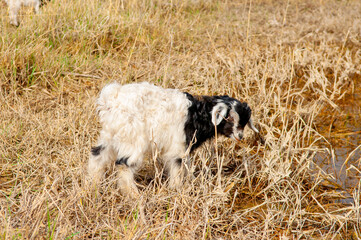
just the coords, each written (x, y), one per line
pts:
(126, 183)
(100, 159)
(177, 169)
(126, 167)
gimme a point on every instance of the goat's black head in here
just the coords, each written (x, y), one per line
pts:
(230, 116)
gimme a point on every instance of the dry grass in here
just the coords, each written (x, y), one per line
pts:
(290, 60)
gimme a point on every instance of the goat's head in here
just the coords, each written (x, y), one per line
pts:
(230, 116)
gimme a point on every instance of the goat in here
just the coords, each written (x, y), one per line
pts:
(140, 118)
(15, 5)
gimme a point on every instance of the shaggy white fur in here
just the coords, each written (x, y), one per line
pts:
(138, 119)
(141, 118)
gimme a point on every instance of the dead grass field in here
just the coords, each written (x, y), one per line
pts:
(292, 61)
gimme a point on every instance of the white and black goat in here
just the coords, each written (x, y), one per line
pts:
(141, 118)
(15, 5)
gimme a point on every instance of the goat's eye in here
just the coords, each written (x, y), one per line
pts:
(240, 128)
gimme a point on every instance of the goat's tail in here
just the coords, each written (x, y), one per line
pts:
(107, 95)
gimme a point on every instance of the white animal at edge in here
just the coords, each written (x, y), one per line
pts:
(15, 5)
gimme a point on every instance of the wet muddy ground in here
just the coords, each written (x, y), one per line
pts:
(342, 131)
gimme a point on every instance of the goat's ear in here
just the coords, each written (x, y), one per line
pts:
(251, 126)
(219, 112)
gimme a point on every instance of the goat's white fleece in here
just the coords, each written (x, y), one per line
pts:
(137, 118)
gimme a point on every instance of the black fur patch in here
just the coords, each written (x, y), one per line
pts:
(122, 161)
(96, 150)
(244, 113)
(225, 128)
(199, 120)
(178, 161)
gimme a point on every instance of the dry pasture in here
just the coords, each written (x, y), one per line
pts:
(290, 60)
